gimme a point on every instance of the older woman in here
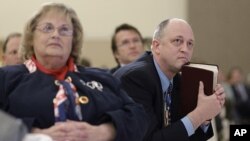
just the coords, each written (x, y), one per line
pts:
(53, 96)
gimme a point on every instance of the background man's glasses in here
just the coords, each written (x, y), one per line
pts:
(127, 43)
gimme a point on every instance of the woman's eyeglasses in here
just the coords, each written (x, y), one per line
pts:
(63, 30)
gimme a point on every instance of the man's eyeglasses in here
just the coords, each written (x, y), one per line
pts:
(127, 43)
(63, 30)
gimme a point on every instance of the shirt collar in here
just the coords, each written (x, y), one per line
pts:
(163, 78)
(122, 65)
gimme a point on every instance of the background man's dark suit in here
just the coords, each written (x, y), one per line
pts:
(141, 81)
(242, 105)
(112, 70)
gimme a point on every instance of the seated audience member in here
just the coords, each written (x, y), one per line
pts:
(241, 93)
(153, 80)
(127, 45)
(11, 129)
(1, 50)
(56, 97)
(85, 62)
(224, 119)
(147, 43)
(10, 49)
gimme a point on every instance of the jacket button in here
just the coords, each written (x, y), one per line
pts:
(83, 100)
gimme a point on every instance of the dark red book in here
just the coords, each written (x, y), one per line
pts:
(191, 74)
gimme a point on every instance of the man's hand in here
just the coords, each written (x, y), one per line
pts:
(207, 106)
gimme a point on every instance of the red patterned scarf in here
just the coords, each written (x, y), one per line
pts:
(60, 73)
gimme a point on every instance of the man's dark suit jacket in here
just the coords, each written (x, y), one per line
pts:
(242, 106)
(113, 70)
(141, 81)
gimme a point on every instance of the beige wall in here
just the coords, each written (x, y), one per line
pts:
(99, 18)
(222, 32)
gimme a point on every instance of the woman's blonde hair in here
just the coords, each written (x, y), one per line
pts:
(27, 49)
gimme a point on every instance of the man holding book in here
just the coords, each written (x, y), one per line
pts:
(148, 81)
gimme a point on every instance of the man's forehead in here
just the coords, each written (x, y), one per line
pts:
(179, 28)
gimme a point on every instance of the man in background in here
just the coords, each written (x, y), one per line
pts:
(126, 45)
(240, 107)
(10, 49)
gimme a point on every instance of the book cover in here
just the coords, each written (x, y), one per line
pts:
(191, 74)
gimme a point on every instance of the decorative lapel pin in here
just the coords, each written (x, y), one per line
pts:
(93, 85)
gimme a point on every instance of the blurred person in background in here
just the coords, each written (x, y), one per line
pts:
(11, 48)
(85, 62)
(241, 94)
(127, 45)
